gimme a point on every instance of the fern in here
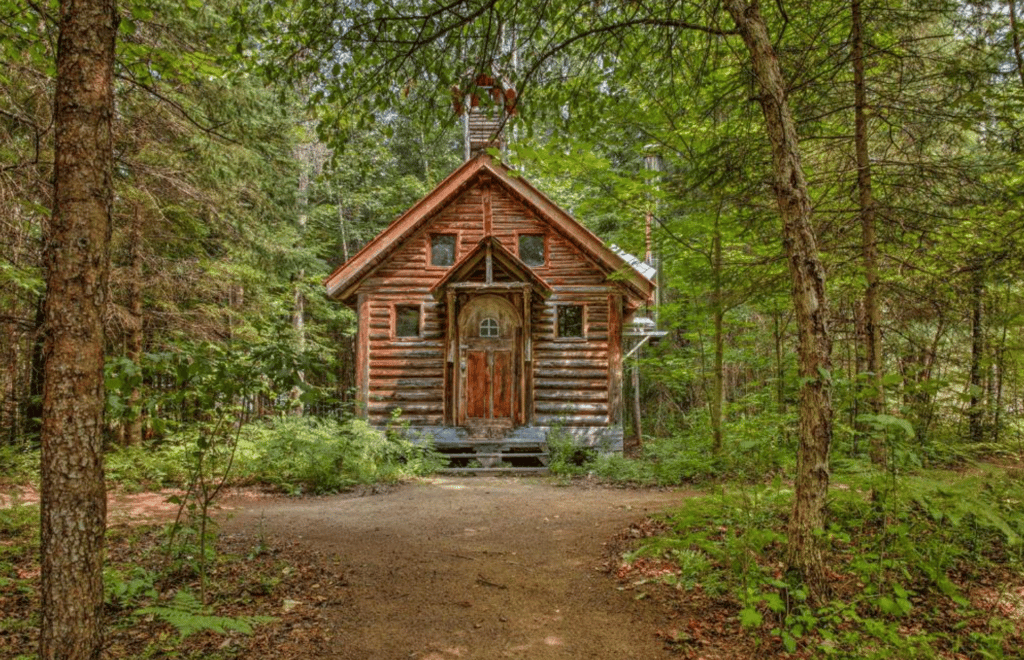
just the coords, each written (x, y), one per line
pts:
(185, 613)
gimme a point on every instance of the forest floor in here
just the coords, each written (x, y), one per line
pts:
(437, 569)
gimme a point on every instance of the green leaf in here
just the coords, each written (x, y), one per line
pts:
(750, 617)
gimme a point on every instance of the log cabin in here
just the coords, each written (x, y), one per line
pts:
(489, 316)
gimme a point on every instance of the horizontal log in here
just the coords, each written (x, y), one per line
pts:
(546, 407)
(376, 372)
(406, 395)
(382, 362)
(571, 363)
(570, 373)
(571, 420)
(383, 419)
(406, 345)
(582, 350)
(404, 383)
(392, 352)
(413, 408)
(570, 384)
(575, 394)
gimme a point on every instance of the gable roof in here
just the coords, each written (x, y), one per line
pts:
(510, 262)
(342, 282)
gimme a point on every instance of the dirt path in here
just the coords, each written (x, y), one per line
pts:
(481, 568)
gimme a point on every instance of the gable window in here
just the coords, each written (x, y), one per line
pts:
(407, 321)
(570, 320)
(442, 249)
(531, 249)
(489, 328)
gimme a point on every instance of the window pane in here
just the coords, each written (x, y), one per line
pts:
(442, 249)
(570, 321)
(489, 328)
(407, 322)
(531, 249)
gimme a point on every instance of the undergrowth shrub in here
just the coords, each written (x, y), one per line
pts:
(150, 465)
(919, 563)
(20, 463)
(311, 455)
(757, 448)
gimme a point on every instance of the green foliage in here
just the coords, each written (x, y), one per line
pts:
(906, 556)
(188, 616)
(309, 455)
(758, 447)
(125, 588)
(21, 463)
(19, 527)
(152, 465)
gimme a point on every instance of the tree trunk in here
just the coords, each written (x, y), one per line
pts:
(133, 430)
(807, 522)
(637, 420)
(976, 413)
(77, 259)
(718, 394)
(304, 154)
(872, 325)
(1015, 38)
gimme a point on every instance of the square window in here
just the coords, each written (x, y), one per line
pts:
(442, 249)
(570, 320)
(531, 249)
(407, 321)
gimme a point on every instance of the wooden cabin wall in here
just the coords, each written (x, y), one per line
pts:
(571, 377)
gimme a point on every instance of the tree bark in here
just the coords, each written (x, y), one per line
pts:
(872, 320)
(718, 395)
(804, 551)
(76, 256)
(133, 430)
(1015, 38)
(976, 413)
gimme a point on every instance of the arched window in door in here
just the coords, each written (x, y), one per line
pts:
(489, 327)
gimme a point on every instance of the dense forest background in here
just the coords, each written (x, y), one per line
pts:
(257, 145)
(235, 196)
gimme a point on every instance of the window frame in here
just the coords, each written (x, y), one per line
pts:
(496, 328)
(395, 311)
(545, 245)
(430, 248)
(583, 322)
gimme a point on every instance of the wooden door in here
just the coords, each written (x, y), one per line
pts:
(489, 335)
(489, 384)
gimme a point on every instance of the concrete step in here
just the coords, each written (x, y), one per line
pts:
(499, 454)
(495, 470)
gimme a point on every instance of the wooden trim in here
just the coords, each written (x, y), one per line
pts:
(363, 356)
(451, 344)
(528, 397)
(493, 247)
(614, 359)
(485, 195)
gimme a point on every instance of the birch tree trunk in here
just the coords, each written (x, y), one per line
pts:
(805, 553)
(77, 259)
